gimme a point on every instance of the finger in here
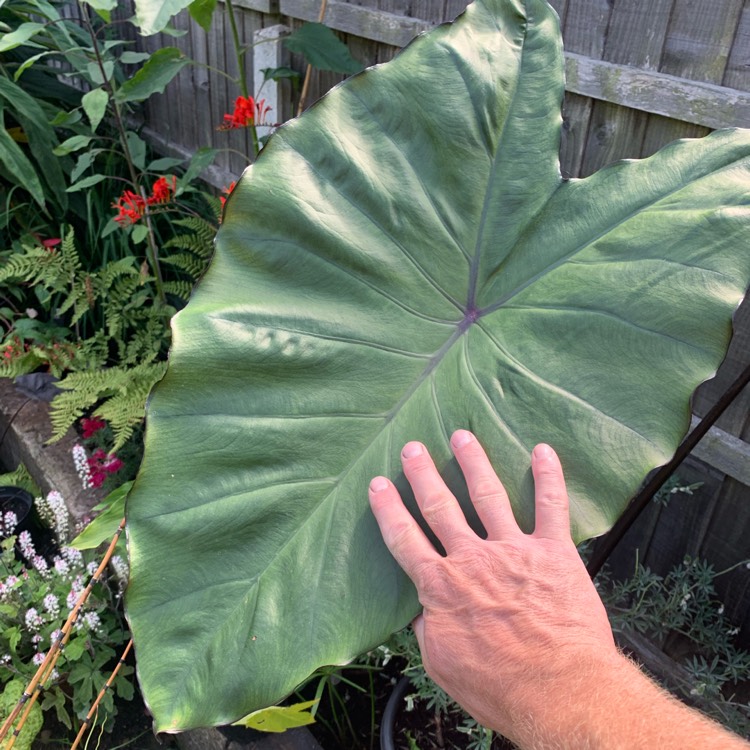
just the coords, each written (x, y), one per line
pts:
(439, 508)
(552, 512)
(486, 490)
(401, 533)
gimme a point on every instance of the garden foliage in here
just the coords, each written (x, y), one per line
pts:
(403, 260)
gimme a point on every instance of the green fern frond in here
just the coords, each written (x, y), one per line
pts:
(114, 270)
(187, 262)
(120, 393)
(27, 267)
(71, 263)
(181, 289)
(22, 365)
(199, 238)
(92, 353)
(148, 341)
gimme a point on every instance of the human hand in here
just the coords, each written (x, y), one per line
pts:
(507, 620)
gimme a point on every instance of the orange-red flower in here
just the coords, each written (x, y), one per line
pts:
(226, 191)
(131, 206)
(162, 190)
(246, 112)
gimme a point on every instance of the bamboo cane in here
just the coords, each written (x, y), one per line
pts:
(95, 705)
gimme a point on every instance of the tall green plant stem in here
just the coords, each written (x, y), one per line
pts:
(239, 53)
(152, 254)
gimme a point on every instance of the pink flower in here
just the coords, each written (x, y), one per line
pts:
(101, 464)
(91, 426)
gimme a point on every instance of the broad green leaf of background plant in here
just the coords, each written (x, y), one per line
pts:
(19, 36)
(404, 260)
(105, 525)
(153, 77)
(41, 139)
(16, 163)
(94, 104)
(320, 47)
(202, 11)
(153, 16)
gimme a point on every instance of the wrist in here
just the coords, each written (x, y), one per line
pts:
(605, 702)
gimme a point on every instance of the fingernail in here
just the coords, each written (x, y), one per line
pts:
(411, 450)
(461, 438)
(543, 451)
(378, 484)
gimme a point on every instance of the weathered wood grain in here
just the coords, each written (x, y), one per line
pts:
(369, 23)
(671, 96)
(725, 452)
(694, 29)
(584, 32)
(634, 38)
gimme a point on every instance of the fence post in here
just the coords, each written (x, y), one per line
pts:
(268, 52)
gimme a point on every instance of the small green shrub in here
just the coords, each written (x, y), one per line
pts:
(36, 595)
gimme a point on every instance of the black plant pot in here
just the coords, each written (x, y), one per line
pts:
(392, 709)
(21, 503)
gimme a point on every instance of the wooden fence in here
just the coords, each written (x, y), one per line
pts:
(640, 73)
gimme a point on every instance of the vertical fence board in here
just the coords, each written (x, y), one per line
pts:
(584, 32)
(205, 131)
(726, 543)
(737, 73)
(697, 46)
(635, 37)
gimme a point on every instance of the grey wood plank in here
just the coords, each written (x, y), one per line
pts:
(635, 37)
(696, 46)
(695, 102)
(735, 419)
(205, 128)
(737, 73)
(584, 33)
(378, 25)
(725, 452)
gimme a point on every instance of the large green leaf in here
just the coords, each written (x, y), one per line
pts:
(41, 138)
(153, 16)
(404, 260)
(153, 77)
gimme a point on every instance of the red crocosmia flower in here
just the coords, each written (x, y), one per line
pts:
(261, 110)
(92, 426)
(130, 207)
(243, 115)
(226, 191)
(163, 190)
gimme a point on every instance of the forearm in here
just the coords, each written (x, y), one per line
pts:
(611, 705)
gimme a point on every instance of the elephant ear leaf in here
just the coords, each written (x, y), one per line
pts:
(404, 260)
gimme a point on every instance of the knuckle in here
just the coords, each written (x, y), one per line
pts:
(485, 490)
(398, 536)
(433, 581)
(553, 499)
(435, 504)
